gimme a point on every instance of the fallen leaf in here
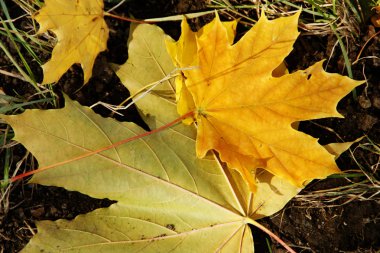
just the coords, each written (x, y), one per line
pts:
(165, 193)
(245, 112)
(168, 200)
(81, 34)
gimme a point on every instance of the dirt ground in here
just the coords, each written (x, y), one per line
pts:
(312, 222)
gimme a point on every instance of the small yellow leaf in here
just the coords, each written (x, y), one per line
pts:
(81, 34)
(245, 102)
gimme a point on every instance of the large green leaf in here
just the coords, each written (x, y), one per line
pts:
(167, 199)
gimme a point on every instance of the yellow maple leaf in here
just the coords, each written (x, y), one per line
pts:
(81, 34)
(183, 52)
(244, 108)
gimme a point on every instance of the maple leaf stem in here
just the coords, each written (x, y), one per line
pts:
(127, 19)
(271, 234)
(170, 124)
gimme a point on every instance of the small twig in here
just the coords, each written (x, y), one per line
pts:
(365, 44)
(127, 19)
(7, 73)
(116, 6)
(30, 228)
(271, 234)
(140, 93)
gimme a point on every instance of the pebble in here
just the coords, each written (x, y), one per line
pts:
(376, 102)
(38, 212)
(64, 206)
(367, 122)
(53, 211)
(364, 102)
